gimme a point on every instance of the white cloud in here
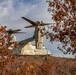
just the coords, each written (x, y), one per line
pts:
(11, 15)
(5, 8)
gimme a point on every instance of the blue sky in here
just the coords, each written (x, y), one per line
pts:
(11, 12)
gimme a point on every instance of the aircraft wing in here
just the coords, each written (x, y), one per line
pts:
(26, 41)
(30, 21)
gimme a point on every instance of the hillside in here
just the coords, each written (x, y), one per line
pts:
(38, 65)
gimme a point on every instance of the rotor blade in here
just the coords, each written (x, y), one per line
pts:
(18, 32)
(29, 26)
(48, 23)
(30, 21)
(14, 30)
(11, 31)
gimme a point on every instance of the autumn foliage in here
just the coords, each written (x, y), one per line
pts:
(39, 65)
(64, 14)
(5, 44)
(6, 54)
(11, 64)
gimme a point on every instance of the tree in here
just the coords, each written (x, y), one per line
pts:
(7, 56)
(5, 52)
(64, 14)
